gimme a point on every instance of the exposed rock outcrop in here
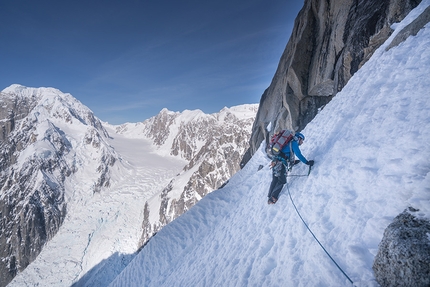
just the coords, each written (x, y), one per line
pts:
(330, 41)
(403, 257)
(411, 29)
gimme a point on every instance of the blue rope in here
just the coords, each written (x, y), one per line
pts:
(292, 201)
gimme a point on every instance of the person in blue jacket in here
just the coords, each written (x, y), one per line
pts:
(278, 166)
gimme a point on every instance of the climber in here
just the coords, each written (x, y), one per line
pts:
(280, 162)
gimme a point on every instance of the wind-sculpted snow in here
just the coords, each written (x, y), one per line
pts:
(371, 151)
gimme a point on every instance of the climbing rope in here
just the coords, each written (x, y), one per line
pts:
(292, 201)
(296, 175)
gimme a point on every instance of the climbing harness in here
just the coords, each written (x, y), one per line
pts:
(292, 201)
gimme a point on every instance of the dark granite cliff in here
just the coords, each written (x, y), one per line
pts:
(330, 41)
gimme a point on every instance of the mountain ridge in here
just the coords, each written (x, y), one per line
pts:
(66, 162)
(38, 156)
(212, 144)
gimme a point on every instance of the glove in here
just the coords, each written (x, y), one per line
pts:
(296, 162)
(310, 162)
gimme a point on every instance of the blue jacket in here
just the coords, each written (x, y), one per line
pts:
(296, 150)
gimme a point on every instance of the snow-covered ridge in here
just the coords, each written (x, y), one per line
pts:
(91, 184)
(184, 133)
(211, 144)
(370, 146)
(16, 89)
(52, 103)
(49, 139)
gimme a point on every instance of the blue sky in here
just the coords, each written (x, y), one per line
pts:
(126, 60)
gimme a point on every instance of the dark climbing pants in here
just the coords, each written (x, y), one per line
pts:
(278, 181)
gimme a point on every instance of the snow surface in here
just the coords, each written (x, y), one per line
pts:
(370, 145)
(101, 232)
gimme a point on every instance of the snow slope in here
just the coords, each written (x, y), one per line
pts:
(370, 145)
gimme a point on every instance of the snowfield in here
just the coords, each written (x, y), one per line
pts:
(371, 148)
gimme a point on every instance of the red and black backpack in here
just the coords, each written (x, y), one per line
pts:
(279, 141)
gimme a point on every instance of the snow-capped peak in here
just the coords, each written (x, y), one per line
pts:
(54, 151)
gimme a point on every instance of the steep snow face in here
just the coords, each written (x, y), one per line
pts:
(370, 145)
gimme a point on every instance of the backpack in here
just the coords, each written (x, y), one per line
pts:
(279, 141)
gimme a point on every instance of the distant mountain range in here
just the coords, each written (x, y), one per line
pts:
(57, 157)
(212, 145)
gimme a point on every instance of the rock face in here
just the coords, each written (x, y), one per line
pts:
(412, 29)
(330, 41)
(403, 258)
(212, 145)
(36, 158)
